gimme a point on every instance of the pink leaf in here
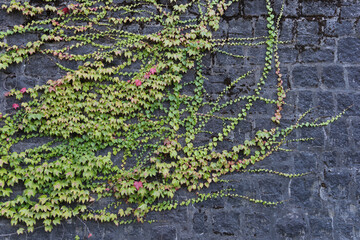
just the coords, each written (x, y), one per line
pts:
(15, 106)
(52, 89)
(152, 70)
(23, 90)
(138, 184)
(138, 82)
(147, 75)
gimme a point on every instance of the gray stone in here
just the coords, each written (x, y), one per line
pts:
(226, 223)
(317, 55)
(350, 11)
(255, 8)
(318, 8)
(287, 29)
(291, 225)
(325, 104)
(305, 161)
(240, 28)
(333, 76)
(304, 76)
(260, 27)
(349, 50)
(40, 66)
(353, 77)
(307, 32)
(291, 8)
(232, 10)
(199, 223)
(288, 54)
(321, 227)
(165, 233)
(335, 28)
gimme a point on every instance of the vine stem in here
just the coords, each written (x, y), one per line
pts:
(15, 233)
(87, 228)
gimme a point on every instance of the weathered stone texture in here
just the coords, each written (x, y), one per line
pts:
(321, 68)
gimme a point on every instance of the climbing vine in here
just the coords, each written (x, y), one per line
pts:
(123, 123)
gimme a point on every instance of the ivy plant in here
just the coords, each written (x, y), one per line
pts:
(123, 123)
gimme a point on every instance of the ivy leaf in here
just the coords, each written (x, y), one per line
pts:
(138, 185)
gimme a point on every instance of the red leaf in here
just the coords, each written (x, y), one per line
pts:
(138, 82)
(23, 90)
(66, 10)
(15, 106)
(138, 184)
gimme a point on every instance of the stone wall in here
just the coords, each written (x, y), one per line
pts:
(321, 66)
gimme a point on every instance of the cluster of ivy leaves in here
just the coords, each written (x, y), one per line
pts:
(145, 118)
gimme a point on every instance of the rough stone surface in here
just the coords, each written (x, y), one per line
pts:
(321, 68)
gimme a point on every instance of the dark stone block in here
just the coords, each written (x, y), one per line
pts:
(225, 59)
(215, 78)
(337, 178)
(343, 229)
(226, 223)
(349, 50)
(232, 10)
(260, 27)
(11, 19)
(349, 102)
(301, 190)
(305, 161)
(291, 225)
(40, 66)
(199, 223)
(331, 159)
(357, 29)
(257, 226)
(165, 233)
(150, 29)
(333, 76)
(291, 8)
(338, 134)
(257, 56)
(215, 203)
(328, 42)
(355, 130)
(21, 39)
(317, 55)
(307, 32)
(222, 32)
(240, 28)
(133, 28)
(337, 183)
(321, 227)
(318, 138)
(335, 28)
(350, 11)
(272, 188)
(318, 8)
(354, 77)
(353, 158)
(325, 104)
(287, 29)
(214, 125)
(261, 107)
(304, 76)
(255, 8)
